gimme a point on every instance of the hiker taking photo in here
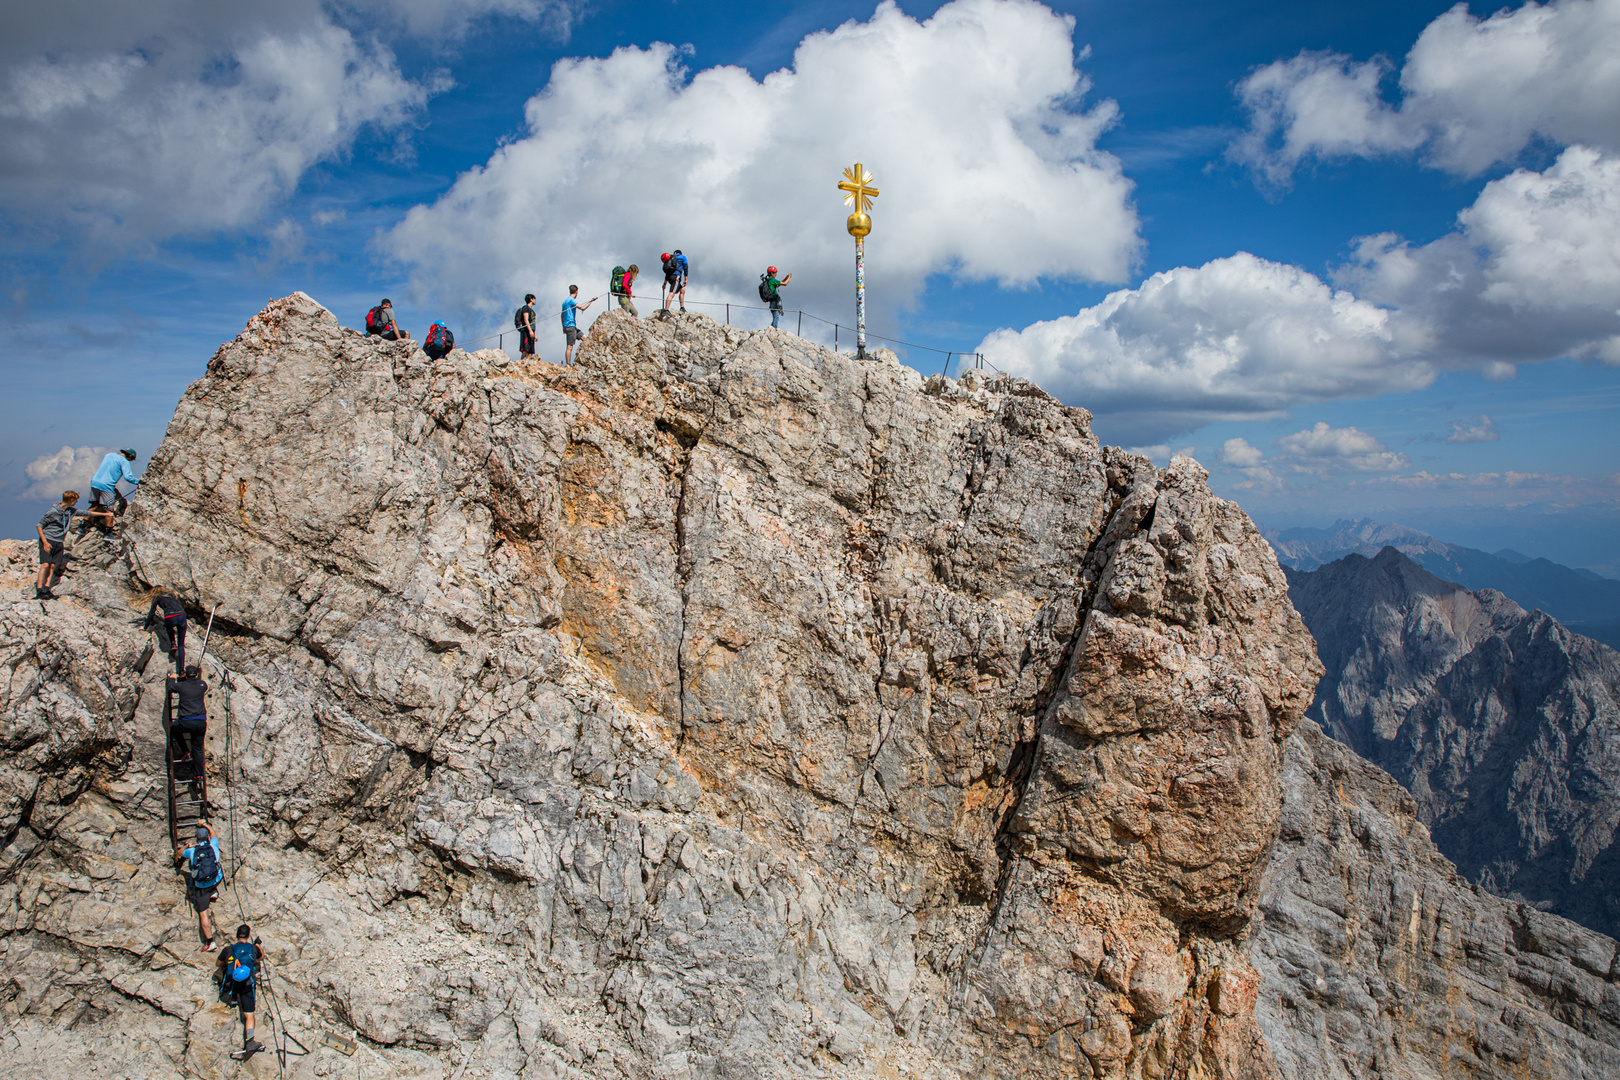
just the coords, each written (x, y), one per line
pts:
(770, 292)
(571, 308)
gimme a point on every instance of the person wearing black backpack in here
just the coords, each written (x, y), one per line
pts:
(770, 292)
(190, 728)
(204, 873)
(439, 341)
(238, 973)
(523, 319)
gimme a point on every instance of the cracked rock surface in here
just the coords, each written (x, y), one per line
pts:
(718, 706)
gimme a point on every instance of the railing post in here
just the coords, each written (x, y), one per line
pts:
(728, 314)
(835, 337)
(801, 324)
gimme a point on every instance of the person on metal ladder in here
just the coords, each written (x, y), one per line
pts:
(204, 873)
(190, 726)
(238, 971)
(168, 617)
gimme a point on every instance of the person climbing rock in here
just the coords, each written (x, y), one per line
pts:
(204, 872)
(676, 269)
(167, 618)
(438, 342)
(770, 291)
(570, 321)
(53, 530)
(238, 972)
(380, 323)
(624, 288)
(523, 319)
(190, 727)
(104, 485)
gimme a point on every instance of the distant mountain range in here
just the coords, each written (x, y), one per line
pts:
(1585, 602)
(1503, 725)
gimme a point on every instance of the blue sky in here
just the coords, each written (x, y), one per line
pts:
(1158, 211)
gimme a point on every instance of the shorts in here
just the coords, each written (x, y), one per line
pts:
(200, 898)
(53, 555)
(98, 497)
(525, 343)
(390, 334)
(573, 334)
(241, 994)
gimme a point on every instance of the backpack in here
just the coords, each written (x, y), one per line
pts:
(616, 286)
(439, 336)
(237, 970)
(205, 869)
(374, 320)
(671, 267)
(766, 293)
(517, 317)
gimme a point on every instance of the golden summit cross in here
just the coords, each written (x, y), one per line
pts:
(858, 182)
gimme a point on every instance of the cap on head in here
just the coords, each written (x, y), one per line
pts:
(770, 269)
(192, 671)
(128, 453)
(244, 932)
(70, 496)
(202, 832)
(677, 251)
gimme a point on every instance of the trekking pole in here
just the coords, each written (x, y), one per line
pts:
(206, 634)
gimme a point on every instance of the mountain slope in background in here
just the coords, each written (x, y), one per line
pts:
(1503, 725)
(1584, 601)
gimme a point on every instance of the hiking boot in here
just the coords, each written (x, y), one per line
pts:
(212, 945)
(44, 594)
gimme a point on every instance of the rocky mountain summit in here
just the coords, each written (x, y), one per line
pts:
(719, 706)
(1503, 725)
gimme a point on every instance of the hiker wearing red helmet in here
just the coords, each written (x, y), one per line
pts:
(769, 291)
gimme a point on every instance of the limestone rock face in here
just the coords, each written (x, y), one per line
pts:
(1378, 960)
(717, 706)
(1503, 725)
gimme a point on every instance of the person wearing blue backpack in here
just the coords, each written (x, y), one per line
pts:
(206, 873)
(238, 971)
(439, 341)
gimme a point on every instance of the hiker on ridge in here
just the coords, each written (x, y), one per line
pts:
(238, 972)
(204, 873)
(380, 322)
(189, 731)
(624, 288)
(570, 320)
(769, 291)
(523, 319)
(104, 485)
(676, 269)
(438, 342)
(53, 530)
(167, 617)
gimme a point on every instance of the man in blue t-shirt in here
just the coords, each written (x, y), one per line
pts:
(204, 872)
(238, 972)
(104, 485)
(570, 320)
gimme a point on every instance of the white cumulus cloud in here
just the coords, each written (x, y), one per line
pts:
(70, 467)
(130, 122)
(1480, 429)
(970, 120)
(1237, 338)
(1473, 92)
(1325, 448)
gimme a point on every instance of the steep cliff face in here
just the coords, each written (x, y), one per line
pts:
(717, 706)
(1378, 960)
(1503, 725)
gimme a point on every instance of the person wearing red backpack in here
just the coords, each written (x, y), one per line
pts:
(380, 323)
(438, 342)
(238, 972)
